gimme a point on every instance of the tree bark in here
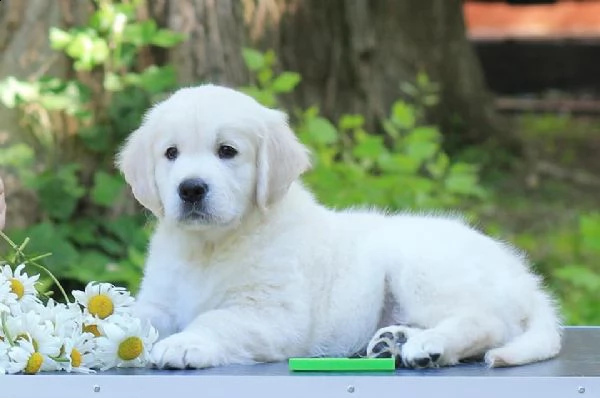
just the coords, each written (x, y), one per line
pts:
(352, 55)
(216, 34)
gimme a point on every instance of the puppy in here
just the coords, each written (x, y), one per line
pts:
(245, 266)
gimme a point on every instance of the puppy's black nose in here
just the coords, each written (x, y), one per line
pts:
(193, 190)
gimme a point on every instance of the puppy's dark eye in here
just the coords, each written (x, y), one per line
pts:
(226, 152)
(171, 153)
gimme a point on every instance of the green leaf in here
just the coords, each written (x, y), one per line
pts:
(47, 237)
(70, 96)
(59, 191)
(95, 138)
(270, 58)
(55, 102)
(111, 246)
(139, 33)
(589, 229)
(167, 38)
(350, 122)
(91, 266)
(286, 82)
(153, 79)
(369, 148)
(17, 156)
(83, 231)
(254, 59)
(87, 50)
(106, 188)
(14, 92)
(422, 79)
(112, 82)
(59, 39)
(424, 133)
(127, 229)
(398, 163)
(403, 115)
(438, 168)
(100, 51)
(580, 276)
(80, 46)
(322, 131)
(421, 151)
(104, 19)
(463, 179)
(264, 77)
(266, 98)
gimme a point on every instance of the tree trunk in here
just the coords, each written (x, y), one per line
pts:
(26, 53)
(216, 32)
(352, 54)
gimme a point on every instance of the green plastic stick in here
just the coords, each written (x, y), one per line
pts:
(341, 364)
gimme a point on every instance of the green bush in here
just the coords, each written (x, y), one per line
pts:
(571, 262)
(73, 128)
(404, 167)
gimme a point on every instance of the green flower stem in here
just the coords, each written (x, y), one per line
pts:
(5, 329)
(22, 247)
(51, 275)
(33, 261)
(59, 359)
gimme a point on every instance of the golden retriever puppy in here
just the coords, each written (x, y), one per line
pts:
(245, 266)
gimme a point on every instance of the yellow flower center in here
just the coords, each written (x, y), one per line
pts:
(93, 329)
(17, 288)
(34, 363)
(101, 306)
(75, 358)
(130, 348)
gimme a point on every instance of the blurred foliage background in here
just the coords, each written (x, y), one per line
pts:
(430, 145)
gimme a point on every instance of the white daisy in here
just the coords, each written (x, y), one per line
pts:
(7, 297)
(79, 349)
(92, 325)
(103, 299)
(21, 284)
(31, 328)
(24, 358)
(3, 357)
(31, 359)
(126, 344)
(67, 319)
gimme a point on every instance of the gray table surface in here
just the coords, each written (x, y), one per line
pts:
(580, 356)
(575, 372)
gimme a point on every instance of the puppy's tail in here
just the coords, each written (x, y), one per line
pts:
(541, 340)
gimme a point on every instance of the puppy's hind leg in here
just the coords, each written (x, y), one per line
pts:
(388, 341)
(454, 338)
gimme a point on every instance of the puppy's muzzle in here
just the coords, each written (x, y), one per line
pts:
(193, 190)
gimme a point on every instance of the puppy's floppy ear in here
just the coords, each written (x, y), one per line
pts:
(281, 160)
(136, 162)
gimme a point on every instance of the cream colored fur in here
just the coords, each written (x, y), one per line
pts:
(273, 274)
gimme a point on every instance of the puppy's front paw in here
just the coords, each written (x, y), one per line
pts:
(162, 322)
(184, 350)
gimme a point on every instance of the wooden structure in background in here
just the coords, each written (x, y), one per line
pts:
(536, 48)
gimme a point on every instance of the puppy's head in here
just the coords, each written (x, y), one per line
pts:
(208, 155)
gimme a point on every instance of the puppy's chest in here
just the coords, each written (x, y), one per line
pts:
(202, 287)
